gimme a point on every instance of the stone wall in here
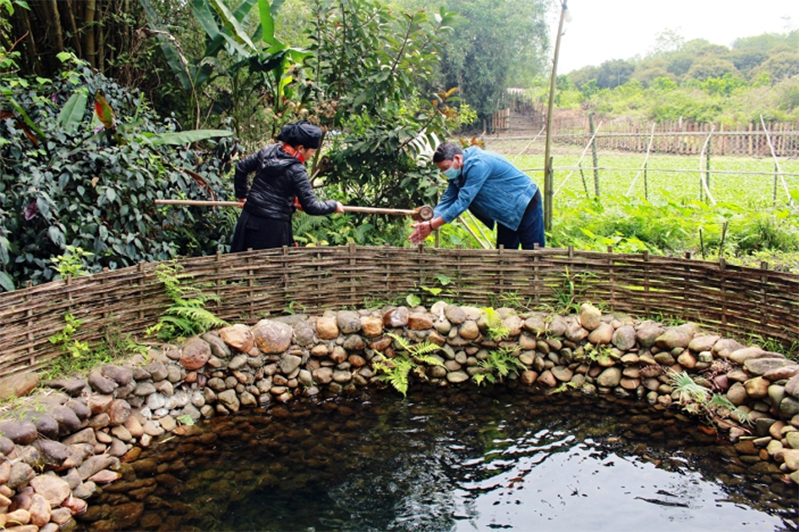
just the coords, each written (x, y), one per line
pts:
(62, 444)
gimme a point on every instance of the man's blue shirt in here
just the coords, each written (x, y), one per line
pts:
(492, 188)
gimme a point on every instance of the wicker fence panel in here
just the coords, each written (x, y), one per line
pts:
(253, 285)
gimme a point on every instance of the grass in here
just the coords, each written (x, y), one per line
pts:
(745, 226)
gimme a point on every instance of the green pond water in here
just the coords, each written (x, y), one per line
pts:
(454, 460)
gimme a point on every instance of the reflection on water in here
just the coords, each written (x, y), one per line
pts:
(460, 460)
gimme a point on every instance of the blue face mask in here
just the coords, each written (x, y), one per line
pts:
(452, 173)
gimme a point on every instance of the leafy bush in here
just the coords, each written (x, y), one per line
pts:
(68, 180)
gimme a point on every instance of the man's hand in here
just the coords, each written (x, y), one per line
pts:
(421, 232)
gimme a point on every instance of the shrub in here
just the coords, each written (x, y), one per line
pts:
(66, 180)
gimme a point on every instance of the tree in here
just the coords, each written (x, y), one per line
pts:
(614, 73)
(491, 40)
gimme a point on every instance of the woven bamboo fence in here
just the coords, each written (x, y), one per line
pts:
(253, 285)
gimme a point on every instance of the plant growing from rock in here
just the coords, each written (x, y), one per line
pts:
(495, 331)
(498, 365)
(407, 358)
(697, 399)
(77, 356)
(187, 315)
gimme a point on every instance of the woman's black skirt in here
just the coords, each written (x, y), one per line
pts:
(254, 232)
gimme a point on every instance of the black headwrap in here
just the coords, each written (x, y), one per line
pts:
(301, 134)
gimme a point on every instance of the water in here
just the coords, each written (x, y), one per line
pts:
(457, 461)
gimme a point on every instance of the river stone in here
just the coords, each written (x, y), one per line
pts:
(273, 336)
(118, 374)
(229, 399)
(703, 343)
(371, 326)
(624, 338)
(72, 386)
(457, 377)
(602, 334)
(237, 336)
(289, 363)
(396, 317)
(547, 379)
(101, 384)
(788, 407)
(53, 452)
(195, 353)
(157, 370)
(589, 316)
(68, 421)
(469, 330)
(420, 321)
(784, 372)
(354, 343)
(724, 347)
(790, 458)
(18, 385)
(119, 411)
(675, 337)
(610, 377)
(535, 325)
(513, 324)
(342, 376)
(217, 345)
(575, 331)
(52, 487)
(792, 439)
(687, 360)
(791, 386)
(757, 387)
(455, 314)
(348, 321)
(528, 377)
(557, 326)
(44, 423)
(648, 332)
(741, 355)
(561, 373)
(323, 375)
(759, 366)
(527, 341)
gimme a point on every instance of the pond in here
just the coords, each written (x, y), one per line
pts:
(447, 460)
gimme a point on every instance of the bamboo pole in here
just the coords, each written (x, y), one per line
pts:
(775, 159)
(702, 174)
(644, 164)
(577, 165)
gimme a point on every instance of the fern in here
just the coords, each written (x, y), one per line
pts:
(496, 330)
(498, 365)
(187, 315)
(409, 357)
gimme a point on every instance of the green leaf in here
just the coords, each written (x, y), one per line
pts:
(188, 137)
(72, 113)
(267, 22)
(413, 300)
(231, 24)
(6, 282)
(56, 236)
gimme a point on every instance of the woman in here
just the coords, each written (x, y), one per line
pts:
(280, 177)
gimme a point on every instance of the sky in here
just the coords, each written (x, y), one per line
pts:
(602, 30)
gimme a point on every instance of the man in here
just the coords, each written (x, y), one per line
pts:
(494, 190)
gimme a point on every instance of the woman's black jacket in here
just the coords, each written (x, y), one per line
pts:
(279, 178)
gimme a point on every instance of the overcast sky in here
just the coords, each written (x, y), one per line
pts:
(620, 29)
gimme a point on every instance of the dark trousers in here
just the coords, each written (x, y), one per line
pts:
(254, 232)
(530, 231)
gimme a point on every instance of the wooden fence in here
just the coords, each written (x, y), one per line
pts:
(252, 285)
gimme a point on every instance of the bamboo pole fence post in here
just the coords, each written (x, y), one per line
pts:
(471, 232)
(528, 145)
(775, 159)
(536, 266)
(644, 164)
(646, 281)
(351, 251)
(703, 181)
(611, 278)
(595, 163)
(579, 161)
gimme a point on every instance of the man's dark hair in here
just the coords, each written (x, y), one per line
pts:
(446, 151)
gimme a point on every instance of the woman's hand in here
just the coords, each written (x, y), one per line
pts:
(421, 232)
(339, 207)
(241, 201)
